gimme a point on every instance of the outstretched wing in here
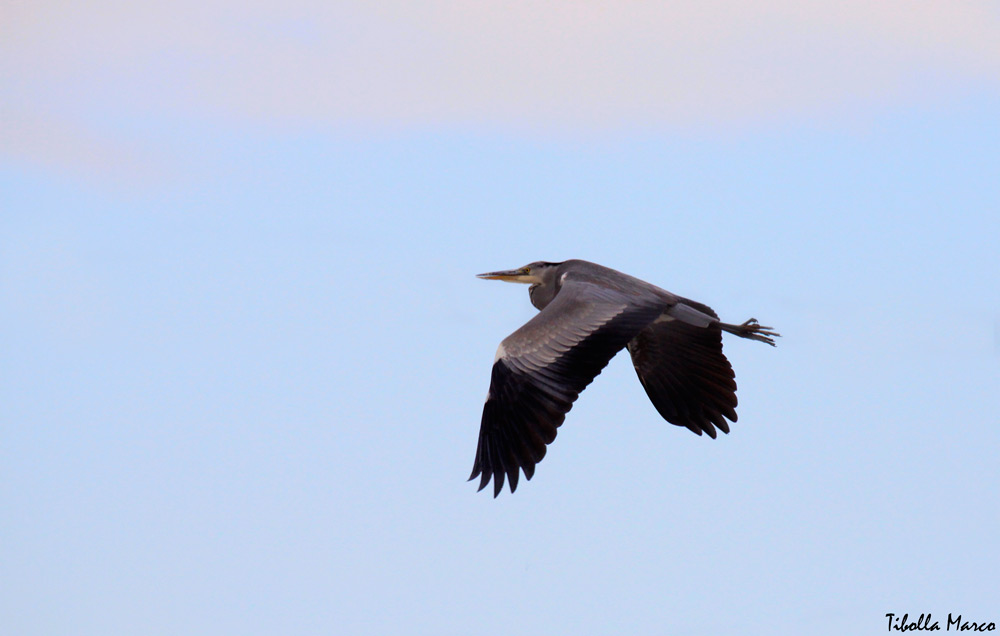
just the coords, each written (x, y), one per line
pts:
(541, 368)
(685, 373)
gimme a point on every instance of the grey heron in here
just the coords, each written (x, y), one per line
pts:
(587, 313)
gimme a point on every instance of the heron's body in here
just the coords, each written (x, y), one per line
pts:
(587, 314)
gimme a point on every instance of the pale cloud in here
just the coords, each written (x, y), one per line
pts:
(45, 140)
(574, 63)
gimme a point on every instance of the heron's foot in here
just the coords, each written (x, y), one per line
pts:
(753, 330)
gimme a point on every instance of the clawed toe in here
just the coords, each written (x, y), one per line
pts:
(755, 331)
(752, 330)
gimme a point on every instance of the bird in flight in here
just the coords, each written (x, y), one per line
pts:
(587, 313)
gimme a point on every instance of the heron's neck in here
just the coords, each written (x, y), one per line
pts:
(541, 295)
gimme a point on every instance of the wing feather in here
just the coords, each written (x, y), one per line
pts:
(541, 370)
(685, 374)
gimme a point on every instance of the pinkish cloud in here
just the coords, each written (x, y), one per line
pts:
(512, 63)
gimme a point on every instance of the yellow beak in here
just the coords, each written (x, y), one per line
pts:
(511, 276)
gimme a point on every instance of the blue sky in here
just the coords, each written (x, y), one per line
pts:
(245, 350)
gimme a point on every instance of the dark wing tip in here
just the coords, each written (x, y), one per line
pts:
(483, 481)
(497, 483)
(520, 418)
(512, 476)
(686, 376)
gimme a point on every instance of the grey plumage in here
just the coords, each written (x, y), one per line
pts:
(587, 314)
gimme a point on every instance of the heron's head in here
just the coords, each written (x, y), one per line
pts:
(540, 273)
